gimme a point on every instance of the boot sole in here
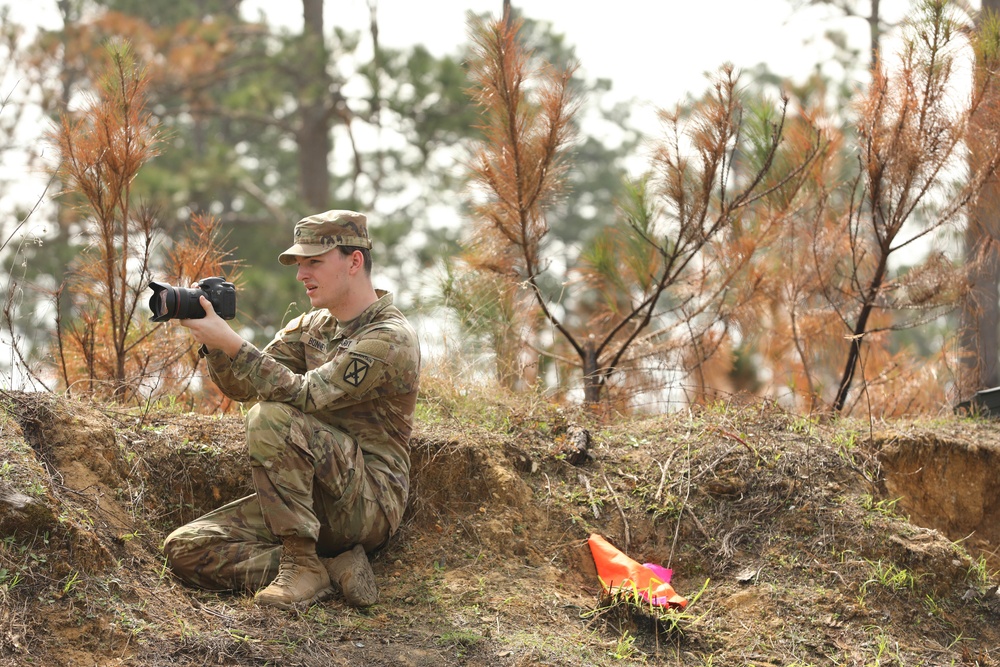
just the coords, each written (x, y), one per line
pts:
(363, 590)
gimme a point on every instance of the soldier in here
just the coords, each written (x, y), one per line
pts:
(334, 396)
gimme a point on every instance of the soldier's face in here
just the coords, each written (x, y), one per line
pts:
(326, 279)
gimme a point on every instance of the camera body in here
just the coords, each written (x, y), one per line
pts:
(181, 303)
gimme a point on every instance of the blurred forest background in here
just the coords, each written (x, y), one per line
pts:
(827, 244)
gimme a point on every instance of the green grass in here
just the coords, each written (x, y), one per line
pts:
(888, 576)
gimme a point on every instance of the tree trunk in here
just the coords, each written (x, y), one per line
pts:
(592, 375)
(860, 329)
(875, 32)
(313, 136)
(980, 317)
(979, 327)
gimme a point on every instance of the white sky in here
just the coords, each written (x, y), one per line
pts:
(654, 51)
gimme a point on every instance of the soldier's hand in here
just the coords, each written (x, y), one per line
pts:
(212, 331)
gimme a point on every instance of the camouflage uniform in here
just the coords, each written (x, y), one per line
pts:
(327, 439)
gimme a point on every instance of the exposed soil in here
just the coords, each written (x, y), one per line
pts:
(789, 536)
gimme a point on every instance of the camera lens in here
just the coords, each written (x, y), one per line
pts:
(163, 302)
(170, 302)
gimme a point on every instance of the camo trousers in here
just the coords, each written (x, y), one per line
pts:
(310, 480)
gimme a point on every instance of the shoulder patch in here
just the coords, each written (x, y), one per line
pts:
(356, 370)
(361, 366)
(294, 325)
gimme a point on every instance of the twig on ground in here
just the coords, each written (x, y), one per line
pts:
(697, 522)
(687, 494)
(663, 475)
(614, 496)
(590, 495)
(663, 479)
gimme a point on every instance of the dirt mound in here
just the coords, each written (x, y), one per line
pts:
(945, 478)
(785, 533)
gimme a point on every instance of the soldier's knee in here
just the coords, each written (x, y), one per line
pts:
(186, 554)
(175, 548)
(268, 428)
(270, 415)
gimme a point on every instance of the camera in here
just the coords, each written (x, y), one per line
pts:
(181, 303)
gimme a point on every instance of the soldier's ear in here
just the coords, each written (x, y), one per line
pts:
(357, 261)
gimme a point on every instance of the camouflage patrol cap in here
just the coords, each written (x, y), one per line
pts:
(323, 232)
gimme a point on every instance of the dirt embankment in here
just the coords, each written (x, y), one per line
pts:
(790, 537)
(945, 478)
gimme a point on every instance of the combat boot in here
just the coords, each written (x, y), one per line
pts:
(352, 572)
(301, 579)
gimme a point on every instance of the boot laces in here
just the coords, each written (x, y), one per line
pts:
(287, 569)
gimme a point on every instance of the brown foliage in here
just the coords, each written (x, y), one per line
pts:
(100, 154)
(107, 348)
(190, 55)
(753, 238)
(832, 286)
(518, 169)
(644, 292)
(912, 134)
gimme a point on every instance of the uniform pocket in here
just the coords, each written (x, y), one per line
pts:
(340, 467)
